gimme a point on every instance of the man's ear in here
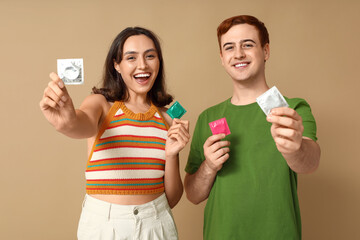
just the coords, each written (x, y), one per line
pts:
(221, 58)
(266, 51)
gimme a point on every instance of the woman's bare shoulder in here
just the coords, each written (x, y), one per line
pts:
(166, 116)
(95, 101)
(95, 98)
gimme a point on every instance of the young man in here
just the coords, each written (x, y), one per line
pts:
(250, 176)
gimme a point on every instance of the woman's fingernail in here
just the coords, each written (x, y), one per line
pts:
(61, 84)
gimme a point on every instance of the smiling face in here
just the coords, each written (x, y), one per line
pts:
(242, 55)
(139, 66)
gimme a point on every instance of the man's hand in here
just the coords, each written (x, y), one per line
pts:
(198, 185)
(286, 129)
(216, 152)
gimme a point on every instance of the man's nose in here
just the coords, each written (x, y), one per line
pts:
(240, 53)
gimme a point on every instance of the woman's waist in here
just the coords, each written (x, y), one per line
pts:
(136, 199)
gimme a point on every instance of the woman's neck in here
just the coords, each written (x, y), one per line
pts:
(138, 104)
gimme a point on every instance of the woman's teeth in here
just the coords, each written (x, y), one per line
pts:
(142, 75)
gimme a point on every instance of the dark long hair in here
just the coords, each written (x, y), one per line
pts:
(113, 86)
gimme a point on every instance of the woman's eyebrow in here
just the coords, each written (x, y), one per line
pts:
(150, 50)
(130, 52)
(135, 52)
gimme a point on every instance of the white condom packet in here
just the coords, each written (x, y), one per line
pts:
(71, 71)
(272, 98)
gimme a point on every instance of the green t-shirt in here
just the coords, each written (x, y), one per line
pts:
(254, 195)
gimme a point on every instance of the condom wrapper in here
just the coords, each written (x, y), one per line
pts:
(219, 126)
(71, 70)
(272, 98)
(176, 110)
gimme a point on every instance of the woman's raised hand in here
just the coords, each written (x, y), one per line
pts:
(56, 103)
(178, 137)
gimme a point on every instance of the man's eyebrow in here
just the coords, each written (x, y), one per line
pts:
(241, 41)
(228, 43)
(247, 40)
(134, 52)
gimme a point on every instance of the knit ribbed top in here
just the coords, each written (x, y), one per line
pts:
(128, 155)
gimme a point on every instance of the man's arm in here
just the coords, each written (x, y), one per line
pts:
(198, 185)
(306, 159)
(302, 154)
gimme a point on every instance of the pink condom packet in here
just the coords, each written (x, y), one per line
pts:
(219, 126)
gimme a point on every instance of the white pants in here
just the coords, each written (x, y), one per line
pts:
(101, 220)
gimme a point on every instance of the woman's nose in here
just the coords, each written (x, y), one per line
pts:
(142, 63)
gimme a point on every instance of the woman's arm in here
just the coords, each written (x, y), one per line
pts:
(178, 137)
(58, 109)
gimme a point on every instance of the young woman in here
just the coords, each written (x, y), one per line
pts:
(132, 175)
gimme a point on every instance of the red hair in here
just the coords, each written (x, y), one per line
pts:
(244, 19)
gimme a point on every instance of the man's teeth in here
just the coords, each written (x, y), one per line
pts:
(141, 75)
(241, 65)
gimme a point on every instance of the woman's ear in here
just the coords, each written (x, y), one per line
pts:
(117, 66)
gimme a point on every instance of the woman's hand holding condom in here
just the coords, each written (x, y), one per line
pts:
(178, 137)
(56, 103)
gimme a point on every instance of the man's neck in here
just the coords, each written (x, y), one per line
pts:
(246, 92)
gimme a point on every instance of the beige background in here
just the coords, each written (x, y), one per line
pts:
(314, 54)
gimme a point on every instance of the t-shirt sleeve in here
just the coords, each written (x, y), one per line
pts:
(196, 155)
(304, 110)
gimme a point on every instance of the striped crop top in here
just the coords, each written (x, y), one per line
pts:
(128, 155)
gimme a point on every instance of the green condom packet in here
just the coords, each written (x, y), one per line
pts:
(176, 110)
